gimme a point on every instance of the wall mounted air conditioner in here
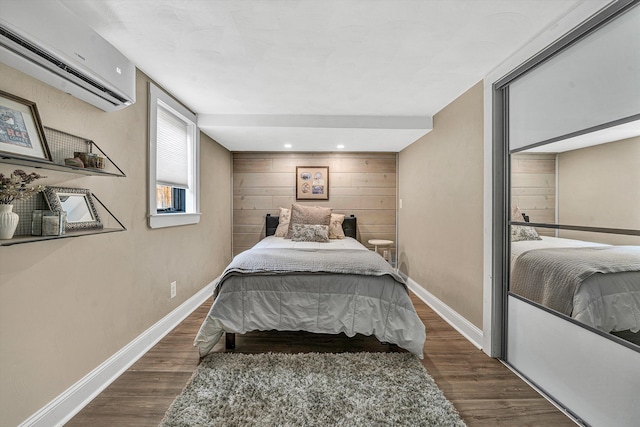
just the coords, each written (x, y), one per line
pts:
(47, 41)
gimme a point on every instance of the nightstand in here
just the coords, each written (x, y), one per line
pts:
(383, 243)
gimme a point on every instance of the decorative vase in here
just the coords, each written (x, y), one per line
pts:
(8, 221)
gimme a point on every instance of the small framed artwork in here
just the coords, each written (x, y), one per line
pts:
(312, 182)
(77, 204)
(21, 132)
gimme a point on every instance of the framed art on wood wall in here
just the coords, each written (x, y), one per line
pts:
(312, 182)
(21, 132)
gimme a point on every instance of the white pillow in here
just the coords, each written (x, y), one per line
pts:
(335, 227)
(283, 225)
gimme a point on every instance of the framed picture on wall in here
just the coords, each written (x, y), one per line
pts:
(77, 203)
(21, 132)
(312, 182)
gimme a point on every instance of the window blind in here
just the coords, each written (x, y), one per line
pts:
(172, 167)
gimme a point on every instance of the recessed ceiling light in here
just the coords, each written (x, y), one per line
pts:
(340, 146)
(287, 145)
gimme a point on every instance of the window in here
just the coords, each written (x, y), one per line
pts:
(174, 170)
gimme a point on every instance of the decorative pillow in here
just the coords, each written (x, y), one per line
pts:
(310, 233)
(516, 215)
(283, 224)
(335, 228)
(313, 215)
(521, 232)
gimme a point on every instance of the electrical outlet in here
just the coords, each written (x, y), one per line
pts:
(174, 286)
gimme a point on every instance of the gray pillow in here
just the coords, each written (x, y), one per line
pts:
(521, 232)
(311, 215)
(310, 233)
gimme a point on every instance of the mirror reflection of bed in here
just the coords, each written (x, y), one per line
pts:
(557, 273)
(590, 274)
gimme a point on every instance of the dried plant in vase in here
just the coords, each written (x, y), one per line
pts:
(12, 188)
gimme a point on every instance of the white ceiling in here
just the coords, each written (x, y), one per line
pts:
(611, 134)
(367, 74)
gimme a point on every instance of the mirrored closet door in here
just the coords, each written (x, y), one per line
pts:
(571, 120)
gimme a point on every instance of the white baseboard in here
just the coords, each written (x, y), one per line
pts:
(65, 406)
(468, 330)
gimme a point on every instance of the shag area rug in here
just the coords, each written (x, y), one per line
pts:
(311, 389)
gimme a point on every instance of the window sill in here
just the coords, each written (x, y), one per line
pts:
(173, 219)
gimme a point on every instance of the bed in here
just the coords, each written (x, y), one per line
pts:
(332, 287)
(596, 284)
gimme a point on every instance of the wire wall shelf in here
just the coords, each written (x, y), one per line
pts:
(24, 209)
(62, 146)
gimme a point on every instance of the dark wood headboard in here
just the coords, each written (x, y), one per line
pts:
(349, 225)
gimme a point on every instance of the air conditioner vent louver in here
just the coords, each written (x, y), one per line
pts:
(57, 47)
(59, 64)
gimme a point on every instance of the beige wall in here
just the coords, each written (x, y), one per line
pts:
(440, 223)
(361, 184)
(599, 186)
(68, 305)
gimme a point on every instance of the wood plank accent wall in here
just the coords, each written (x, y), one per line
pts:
(360, 184)
(533, 187)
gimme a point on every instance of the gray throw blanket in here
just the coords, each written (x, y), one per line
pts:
(552, 276)
(293, 261)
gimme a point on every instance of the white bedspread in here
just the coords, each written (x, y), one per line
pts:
(518, 248)
(608, 302)
(331, 303)
(272, 242)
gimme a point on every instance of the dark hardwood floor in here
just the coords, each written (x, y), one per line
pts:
(483, 390)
